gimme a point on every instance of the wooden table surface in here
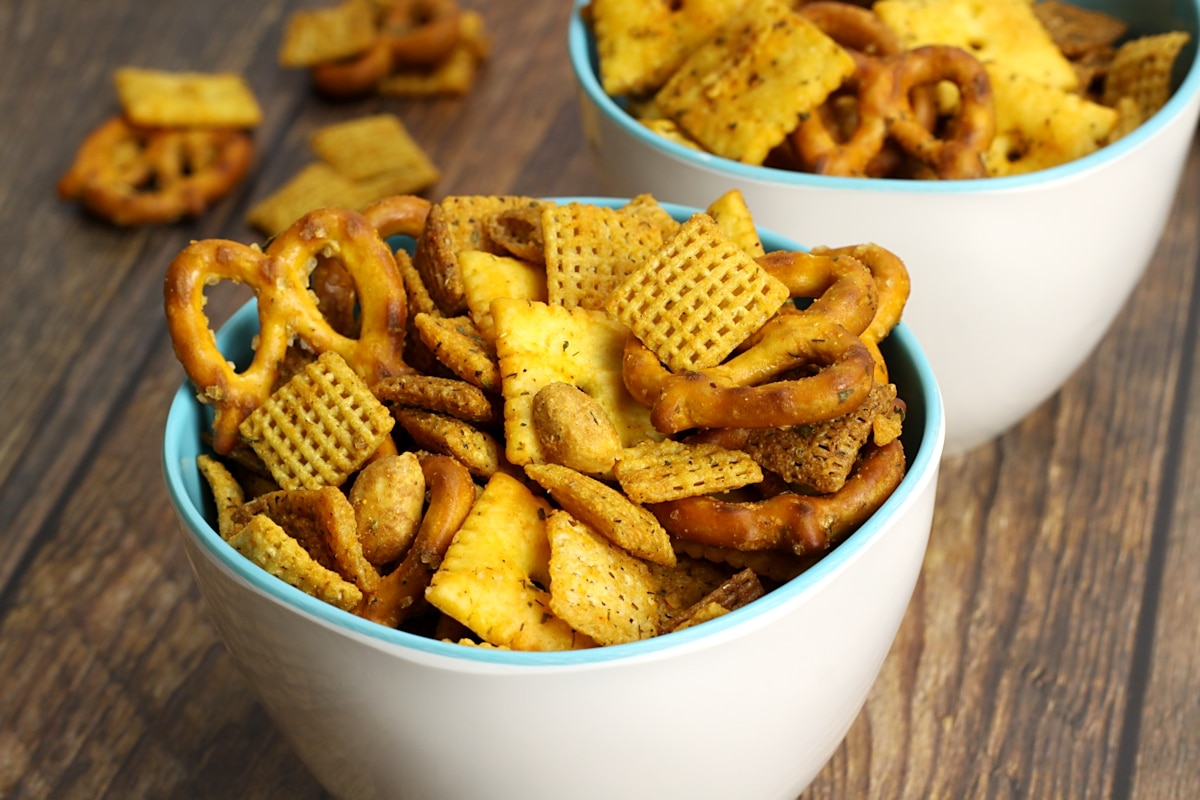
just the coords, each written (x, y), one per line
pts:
(1052, 646)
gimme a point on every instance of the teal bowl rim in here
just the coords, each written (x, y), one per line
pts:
(582, 53)
(924, 436)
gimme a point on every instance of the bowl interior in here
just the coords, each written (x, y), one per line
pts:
(923, 438)
(1143, 16)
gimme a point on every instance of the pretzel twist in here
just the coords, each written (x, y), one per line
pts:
(132, 175)
(802, 524)
(959, 155)
(421, 32)
(356, 76)
(286, 309)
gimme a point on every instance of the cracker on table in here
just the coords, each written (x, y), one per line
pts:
(374, 145)
(316, 185)
(164, 99)
(315, 36)
(494, 576)
(319, 427)
(742, 91)
(539, 344)
(596, 587)
(620, 520)
(697, 298)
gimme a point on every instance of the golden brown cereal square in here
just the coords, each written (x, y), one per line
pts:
(742, 588)
(742, 91)
(266, 544)
(640, 44)
(159, 98)
(457, 345)
(697, 298)
(610, 513)
(591, 249)
(655, 472)
(317, 185)
(539, 344)
(478, 450)
(494, 576)
(315, 36)
(319, 427)
(596, 587)
(369, 146)
(1142, 69)
(458, 398)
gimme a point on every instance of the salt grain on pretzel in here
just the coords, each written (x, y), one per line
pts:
(279, 277)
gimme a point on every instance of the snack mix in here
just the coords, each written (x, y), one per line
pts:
(918, 89)
(520, 423)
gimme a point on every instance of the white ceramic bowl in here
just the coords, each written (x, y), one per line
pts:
(1015, 280)
(750, 705)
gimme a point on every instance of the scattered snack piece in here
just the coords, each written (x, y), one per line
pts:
(268, 545)
(318, 428)
(610, 513)
(313, 36)
(596, 587)
(131, 175)
(697, 298)
(362, 161)
(162, 99)
(494, 574)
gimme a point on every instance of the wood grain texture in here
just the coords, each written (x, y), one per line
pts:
(1052, 646)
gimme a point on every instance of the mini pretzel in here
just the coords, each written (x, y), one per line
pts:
(279, 278)
(131, 175)
(451, 495)
(867, 151)
(354, 77)
(971, 131)
(421, 32)
(792, 522)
